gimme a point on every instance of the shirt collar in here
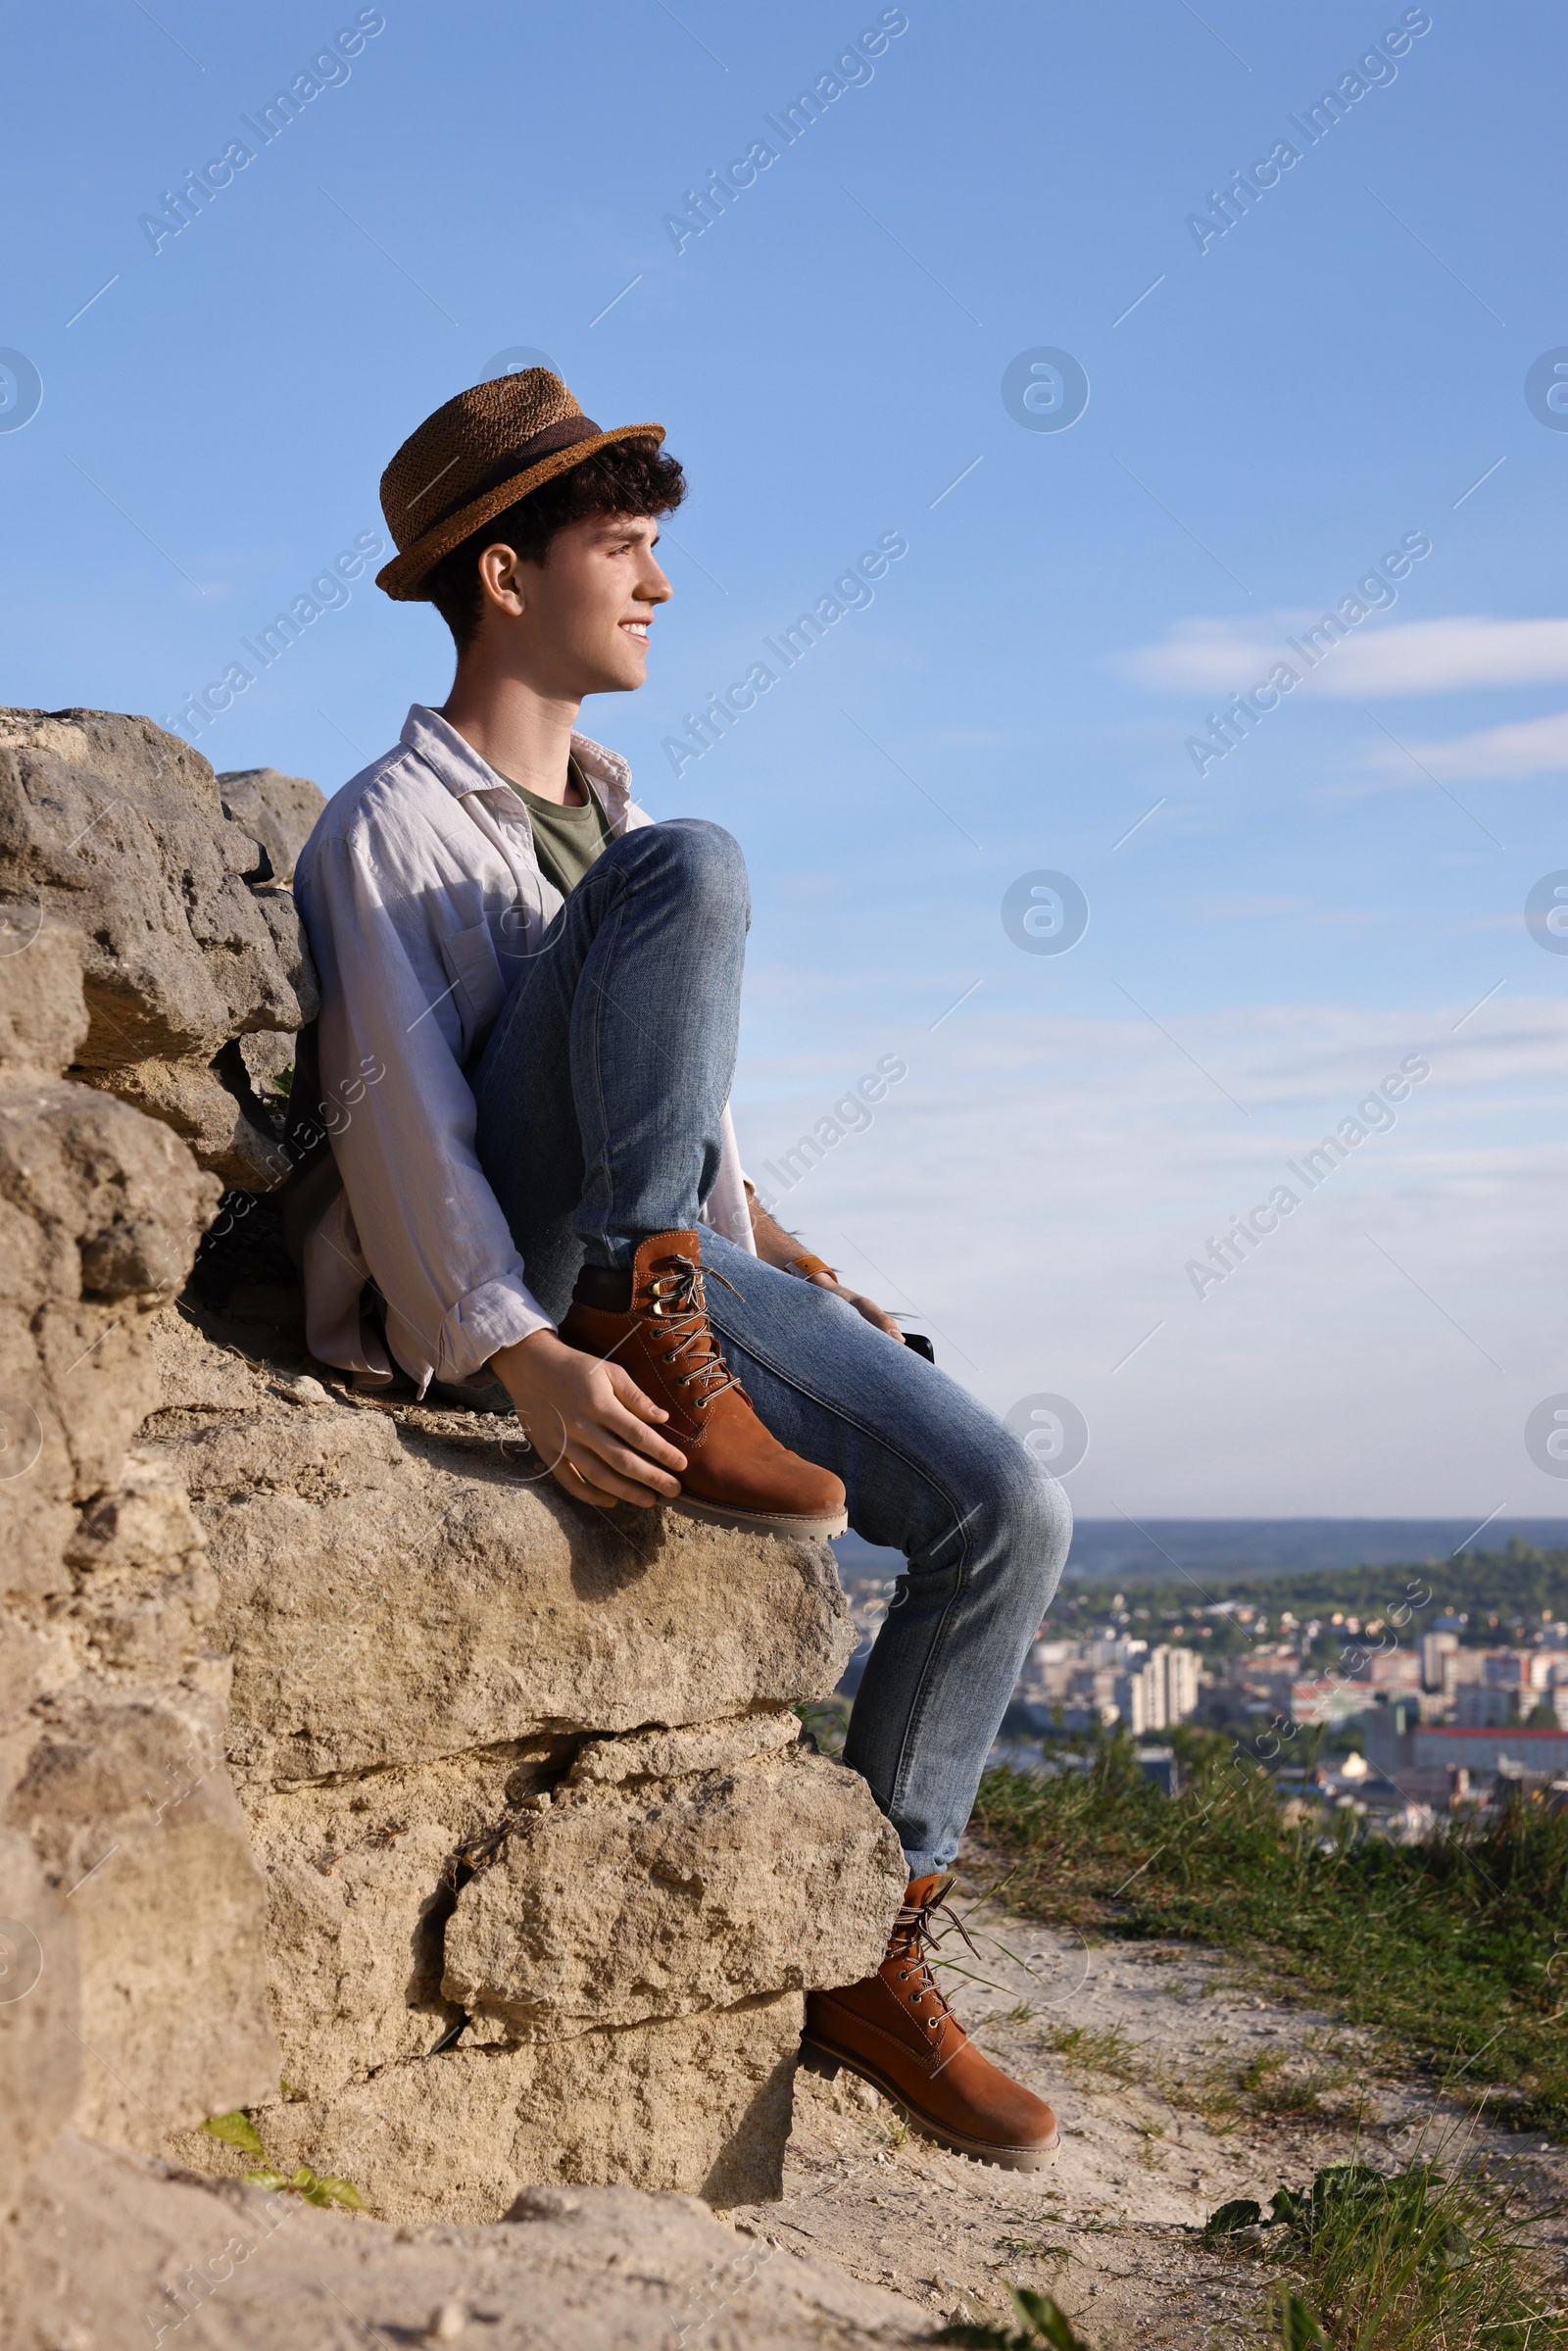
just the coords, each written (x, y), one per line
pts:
(455, 763)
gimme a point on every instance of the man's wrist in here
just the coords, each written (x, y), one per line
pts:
(808, 1266)
(538, 1345)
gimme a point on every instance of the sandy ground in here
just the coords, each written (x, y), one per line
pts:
(1178, 2082)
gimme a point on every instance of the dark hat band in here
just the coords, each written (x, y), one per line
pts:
(553, 437)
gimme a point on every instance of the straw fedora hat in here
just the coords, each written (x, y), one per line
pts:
(475, 457)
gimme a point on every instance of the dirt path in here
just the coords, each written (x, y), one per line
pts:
(1179, 2084)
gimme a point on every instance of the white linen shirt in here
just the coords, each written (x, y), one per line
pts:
(421, 896)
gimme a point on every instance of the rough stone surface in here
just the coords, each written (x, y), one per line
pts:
(571, 2269)
(40, 2058)
(363, 1874)
(112, 826)
(278, 811)
(664, 1898)
(128, 1806)
(112, 1696)
(43, 1013)
(438, 1598)
(701, 2104)
(667, 1754)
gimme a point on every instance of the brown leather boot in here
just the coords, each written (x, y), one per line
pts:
(896, 2029)
(736, 1474)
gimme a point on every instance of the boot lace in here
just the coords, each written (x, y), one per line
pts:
(912, 1929)
(679, 1304)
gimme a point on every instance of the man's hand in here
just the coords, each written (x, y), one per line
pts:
(590, 1422)
(863, 1306)
(777, 1246)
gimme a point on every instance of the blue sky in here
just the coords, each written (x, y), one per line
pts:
(1271, 410)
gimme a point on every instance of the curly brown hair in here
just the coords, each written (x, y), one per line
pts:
(627, 478)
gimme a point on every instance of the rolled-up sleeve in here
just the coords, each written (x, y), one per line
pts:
(402, 1118)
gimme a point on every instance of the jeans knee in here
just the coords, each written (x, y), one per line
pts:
(1035, 1525)
(710, 865)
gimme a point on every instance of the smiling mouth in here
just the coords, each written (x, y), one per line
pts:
(636, 629)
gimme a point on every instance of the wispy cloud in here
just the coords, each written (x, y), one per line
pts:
(1413, 657)
(1090, 1158)
(1511, 754)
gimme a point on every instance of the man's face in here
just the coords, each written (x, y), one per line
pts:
(579, 621)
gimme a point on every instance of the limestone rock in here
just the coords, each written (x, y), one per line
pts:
(583, 2269)
(109, 824)
(362, 1876)
(40, 2057)
(701, 2104)
(657, 1898)
(278, 811)
(393, 1595)
(667, 1754)
(215, 1109)
(99, 1212)
(126, 1804)
(43, 1013)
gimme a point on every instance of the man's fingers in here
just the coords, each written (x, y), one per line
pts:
(614, 1420)
(572, 1480)
(873, 1314)
(602, 1485)
(606, 1455)
(635, 1398)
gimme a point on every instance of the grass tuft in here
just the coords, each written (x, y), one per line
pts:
(1451, 1946)
(1403, 2261)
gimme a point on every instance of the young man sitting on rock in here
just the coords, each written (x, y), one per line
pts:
(544, 1182)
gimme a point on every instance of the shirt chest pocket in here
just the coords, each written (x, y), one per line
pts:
(480, 992)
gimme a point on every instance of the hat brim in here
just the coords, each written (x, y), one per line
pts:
(403, 577)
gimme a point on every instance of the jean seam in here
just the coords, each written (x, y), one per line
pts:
(607, 931)
(793, 1379)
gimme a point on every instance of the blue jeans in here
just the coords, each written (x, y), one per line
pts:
(600, 1094)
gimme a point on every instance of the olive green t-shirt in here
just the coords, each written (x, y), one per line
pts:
(565, 841)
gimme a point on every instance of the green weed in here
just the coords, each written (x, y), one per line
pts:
(1449, 1945)
(323, 2189)
(1107, 2052)
(1405, 2260)
(1040, 2322)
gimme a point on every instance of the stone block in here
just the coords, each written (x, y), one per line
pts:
(702, 2104)
(126, 1804)
(114, 827)
(362, 1876)
(393, 1595)
(40, 2056)
(657, 1898)
(278, 811)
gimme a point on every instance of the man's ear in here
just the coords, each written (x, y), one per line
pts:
(500, 580)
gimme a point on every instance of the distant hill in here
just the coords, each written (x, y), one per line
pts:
(1254, 1548)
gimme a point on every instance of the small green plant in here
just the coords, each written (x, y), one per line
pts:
(1033, 2249)
(827, 1721)
(1400, 2261)
(1040, 2322)
(1297, 2328)
(323, 2189)
(1107, 2052)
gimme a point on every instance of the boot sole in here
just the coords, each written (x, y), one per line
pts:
(763, 1522)
(826, 2063)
